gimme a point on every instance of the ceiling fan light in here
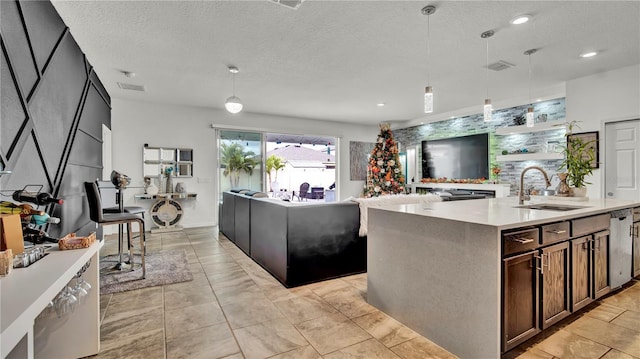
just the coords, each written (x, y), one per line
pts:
(428, 99)
(233, 104)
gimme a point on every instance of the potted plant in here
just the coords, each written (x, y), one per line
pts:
(579, 156)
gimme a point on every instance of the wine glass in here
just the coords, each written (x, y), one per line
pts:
(80, 293)
(65, 302)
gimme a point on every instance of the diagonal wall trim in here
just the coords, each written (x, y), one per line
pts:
(21, 138)
(48, 118)
(33, 55)
(72, 136)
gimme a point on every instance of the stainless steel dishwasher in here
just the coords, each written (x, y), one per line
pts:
(620, 247)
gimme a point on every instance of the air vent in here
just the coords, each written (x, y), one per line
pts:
(500, 65)
(131, 87)
(291, 4)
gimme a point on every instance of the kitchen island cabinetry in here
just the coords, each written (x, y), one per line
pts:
(446, 272)
(580, 263)
(635, 232)
(520, 297)
(554, 273)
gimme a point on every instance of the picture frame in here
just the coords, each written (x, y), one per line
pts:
(593, 141)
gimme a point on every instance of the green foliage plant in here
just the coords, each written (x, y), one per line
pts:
(579, 156)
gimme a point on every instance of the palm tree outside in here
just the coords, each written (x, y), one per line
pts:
(273, 163)
(235, 159)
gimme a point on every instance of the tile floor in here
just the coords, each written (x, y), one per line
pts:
(234, 309)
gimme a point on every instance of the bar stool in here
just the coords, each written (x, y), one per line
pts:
(97, 215)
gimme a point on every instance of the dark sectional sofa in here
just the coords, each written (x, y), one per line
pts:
(297, 242)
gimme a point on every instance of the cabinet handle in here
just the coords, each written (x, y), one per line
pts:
(631, 228)
(522, 240)
(556, 231)
(542, 264)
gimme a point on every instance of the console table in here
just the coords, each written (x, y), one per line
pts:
(25, 292)
(166, 212)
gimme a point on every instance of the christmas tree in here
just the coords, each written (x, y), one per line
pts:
(384, 175)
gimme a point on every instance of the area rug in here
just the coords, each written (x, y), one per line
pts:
(163, 267)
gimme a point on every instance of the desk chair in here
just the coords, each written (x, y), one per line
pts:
(97, 215)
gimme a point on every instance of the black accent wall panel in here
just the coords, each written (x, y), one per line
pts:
(94, 114)
(44, 26)
(56, 101)
(13, 32)
(28, 161)
(11, 108)
(56, 131)
(103, 92)
(86, 151)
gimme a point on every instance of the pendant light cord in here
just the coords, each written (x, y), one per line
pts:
(233, 80)
(428, 52)
(487, 72)
(530, 79)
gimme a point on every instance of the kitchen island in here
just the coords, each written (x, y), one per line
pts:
(440, 268)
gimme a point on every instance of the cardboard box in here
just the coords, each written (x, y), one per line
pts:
(11, 233)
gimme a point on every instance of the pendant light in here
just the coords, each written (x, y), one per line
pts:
(233, 104)
(530, 121)
(488, 109)
(428, 91)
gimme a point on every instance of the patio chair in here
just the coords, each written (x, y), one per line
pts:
(304, 192)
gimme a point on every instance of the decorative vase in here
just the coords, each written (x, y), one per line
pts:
(563, 189)
(169, 183)
(579, 192)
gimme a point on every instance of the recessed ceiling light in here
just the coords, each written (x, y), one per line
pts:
(422, 123)
(129, 73)
(452, 117)
(521, 19)
(588, 54)
(381, 104)
(538, 100)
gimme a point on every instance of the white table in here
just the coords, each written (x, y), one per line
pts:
(25, 292)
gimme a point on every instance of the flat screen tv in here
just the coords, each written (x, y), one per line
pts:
(456, 157)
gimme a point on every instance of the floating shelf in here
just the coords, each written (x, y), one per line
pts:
(531, 156)
(542, 126)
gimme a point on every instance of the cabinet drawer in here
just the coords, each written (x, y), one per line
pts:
(582, 226)
(520, 241)
(636, 214)
(555, 232)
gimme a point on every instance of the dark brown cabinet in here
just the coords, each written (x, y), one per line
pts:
(554, 280)
(580, 267)
(635, 232)
(520, 299)
(590, 267)
(600, 248)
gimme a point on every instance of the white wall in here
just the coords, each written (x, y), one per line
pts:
(600, 98)
(134, 123)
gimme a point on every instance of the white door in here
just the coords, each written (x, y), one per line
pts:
(106, 153)
(622, 160)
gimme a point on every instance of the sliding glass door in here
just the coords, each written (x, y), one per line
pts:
(239, 160)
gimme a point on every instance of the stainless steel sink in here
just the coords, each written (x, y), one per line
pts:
(551, 207)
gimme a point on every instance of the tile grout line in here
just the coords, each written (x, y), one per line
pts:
(216, 296)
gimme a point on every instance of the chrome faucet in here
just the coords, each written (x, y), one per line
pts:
(522, 197)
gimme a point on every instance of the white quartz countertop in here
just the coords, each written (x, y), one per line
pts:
(502, 212)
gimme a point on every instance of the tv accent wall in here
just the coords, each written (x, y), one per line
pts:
(52, 110)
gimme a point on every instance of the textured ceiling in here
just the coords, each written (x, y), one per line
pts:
(335, 60)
